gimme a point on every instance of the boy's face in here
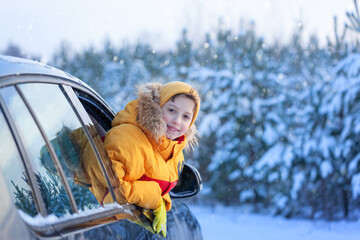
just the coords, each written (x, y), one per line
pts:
(178, 115)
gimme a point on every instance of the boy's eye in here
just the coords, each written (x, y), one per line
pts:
(171, 110)
(187, 117)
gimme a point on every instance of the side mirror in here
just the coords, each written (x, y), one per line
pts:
(189, 183)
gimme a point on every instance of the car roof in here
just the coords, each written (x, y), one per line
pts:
(10, 66)
(14, 66)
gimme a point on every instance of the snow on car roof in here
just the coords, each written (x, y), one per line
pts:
(19, 66)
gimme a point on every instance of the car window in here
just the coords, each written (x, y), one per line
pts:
(51, 188)
(67, 139)
(14, 171)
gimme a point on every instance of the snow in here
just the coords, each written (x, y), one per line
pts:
(354, 163)
(272, 157)
(246, 194)
(270, 134)
(326, 169)
(210, 123)
(229, 223)
(234, 175)
(39, 220)
(355, 182)
(350, 66)
(220, 222)
(298, 179)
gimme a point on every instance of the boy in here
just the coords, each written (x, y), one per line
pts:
(146, 142)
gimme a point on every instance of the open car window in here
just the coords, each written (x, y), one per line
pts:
(99, 114)
(98, 122)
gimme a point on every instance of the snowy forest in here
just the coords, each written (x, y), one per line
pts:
(279, 123)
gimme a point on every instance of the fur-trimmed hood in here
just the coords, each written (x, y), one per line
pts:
(146, 113)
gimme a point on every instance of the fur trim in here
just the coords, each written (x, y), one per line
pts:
(149, 115)
(192, 138)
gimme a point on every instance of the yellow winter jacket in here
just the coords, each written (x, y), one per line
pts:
(145, 161)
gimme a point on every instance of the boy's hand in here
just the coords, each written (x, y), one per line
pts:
(159, 223)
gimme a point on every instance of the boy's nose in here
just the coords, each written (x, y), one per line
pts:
(176, 120)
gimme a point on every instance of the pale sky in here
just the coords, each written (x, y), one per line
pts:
(39, 26)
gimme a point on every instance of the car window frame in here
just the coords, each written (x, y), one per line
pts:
(68, 88)
(98, 107)
(81, 114)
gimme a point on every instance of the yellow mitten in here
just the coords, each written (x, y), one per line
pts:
(143, 222)
(149, 214)
(159, 223)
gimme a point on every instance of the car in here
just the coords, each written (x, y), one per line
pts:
(52, 127)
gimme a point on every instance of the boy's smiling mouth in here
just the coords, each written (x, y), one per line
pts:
(172, 129)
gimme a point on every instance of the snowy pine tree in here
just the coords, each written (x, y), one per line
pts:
(278, 122)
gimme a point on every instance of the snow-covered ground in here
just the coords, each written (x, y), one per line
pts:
(234, 223)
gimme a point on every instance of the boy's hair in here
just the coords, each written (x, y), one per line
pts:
(188, 95)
